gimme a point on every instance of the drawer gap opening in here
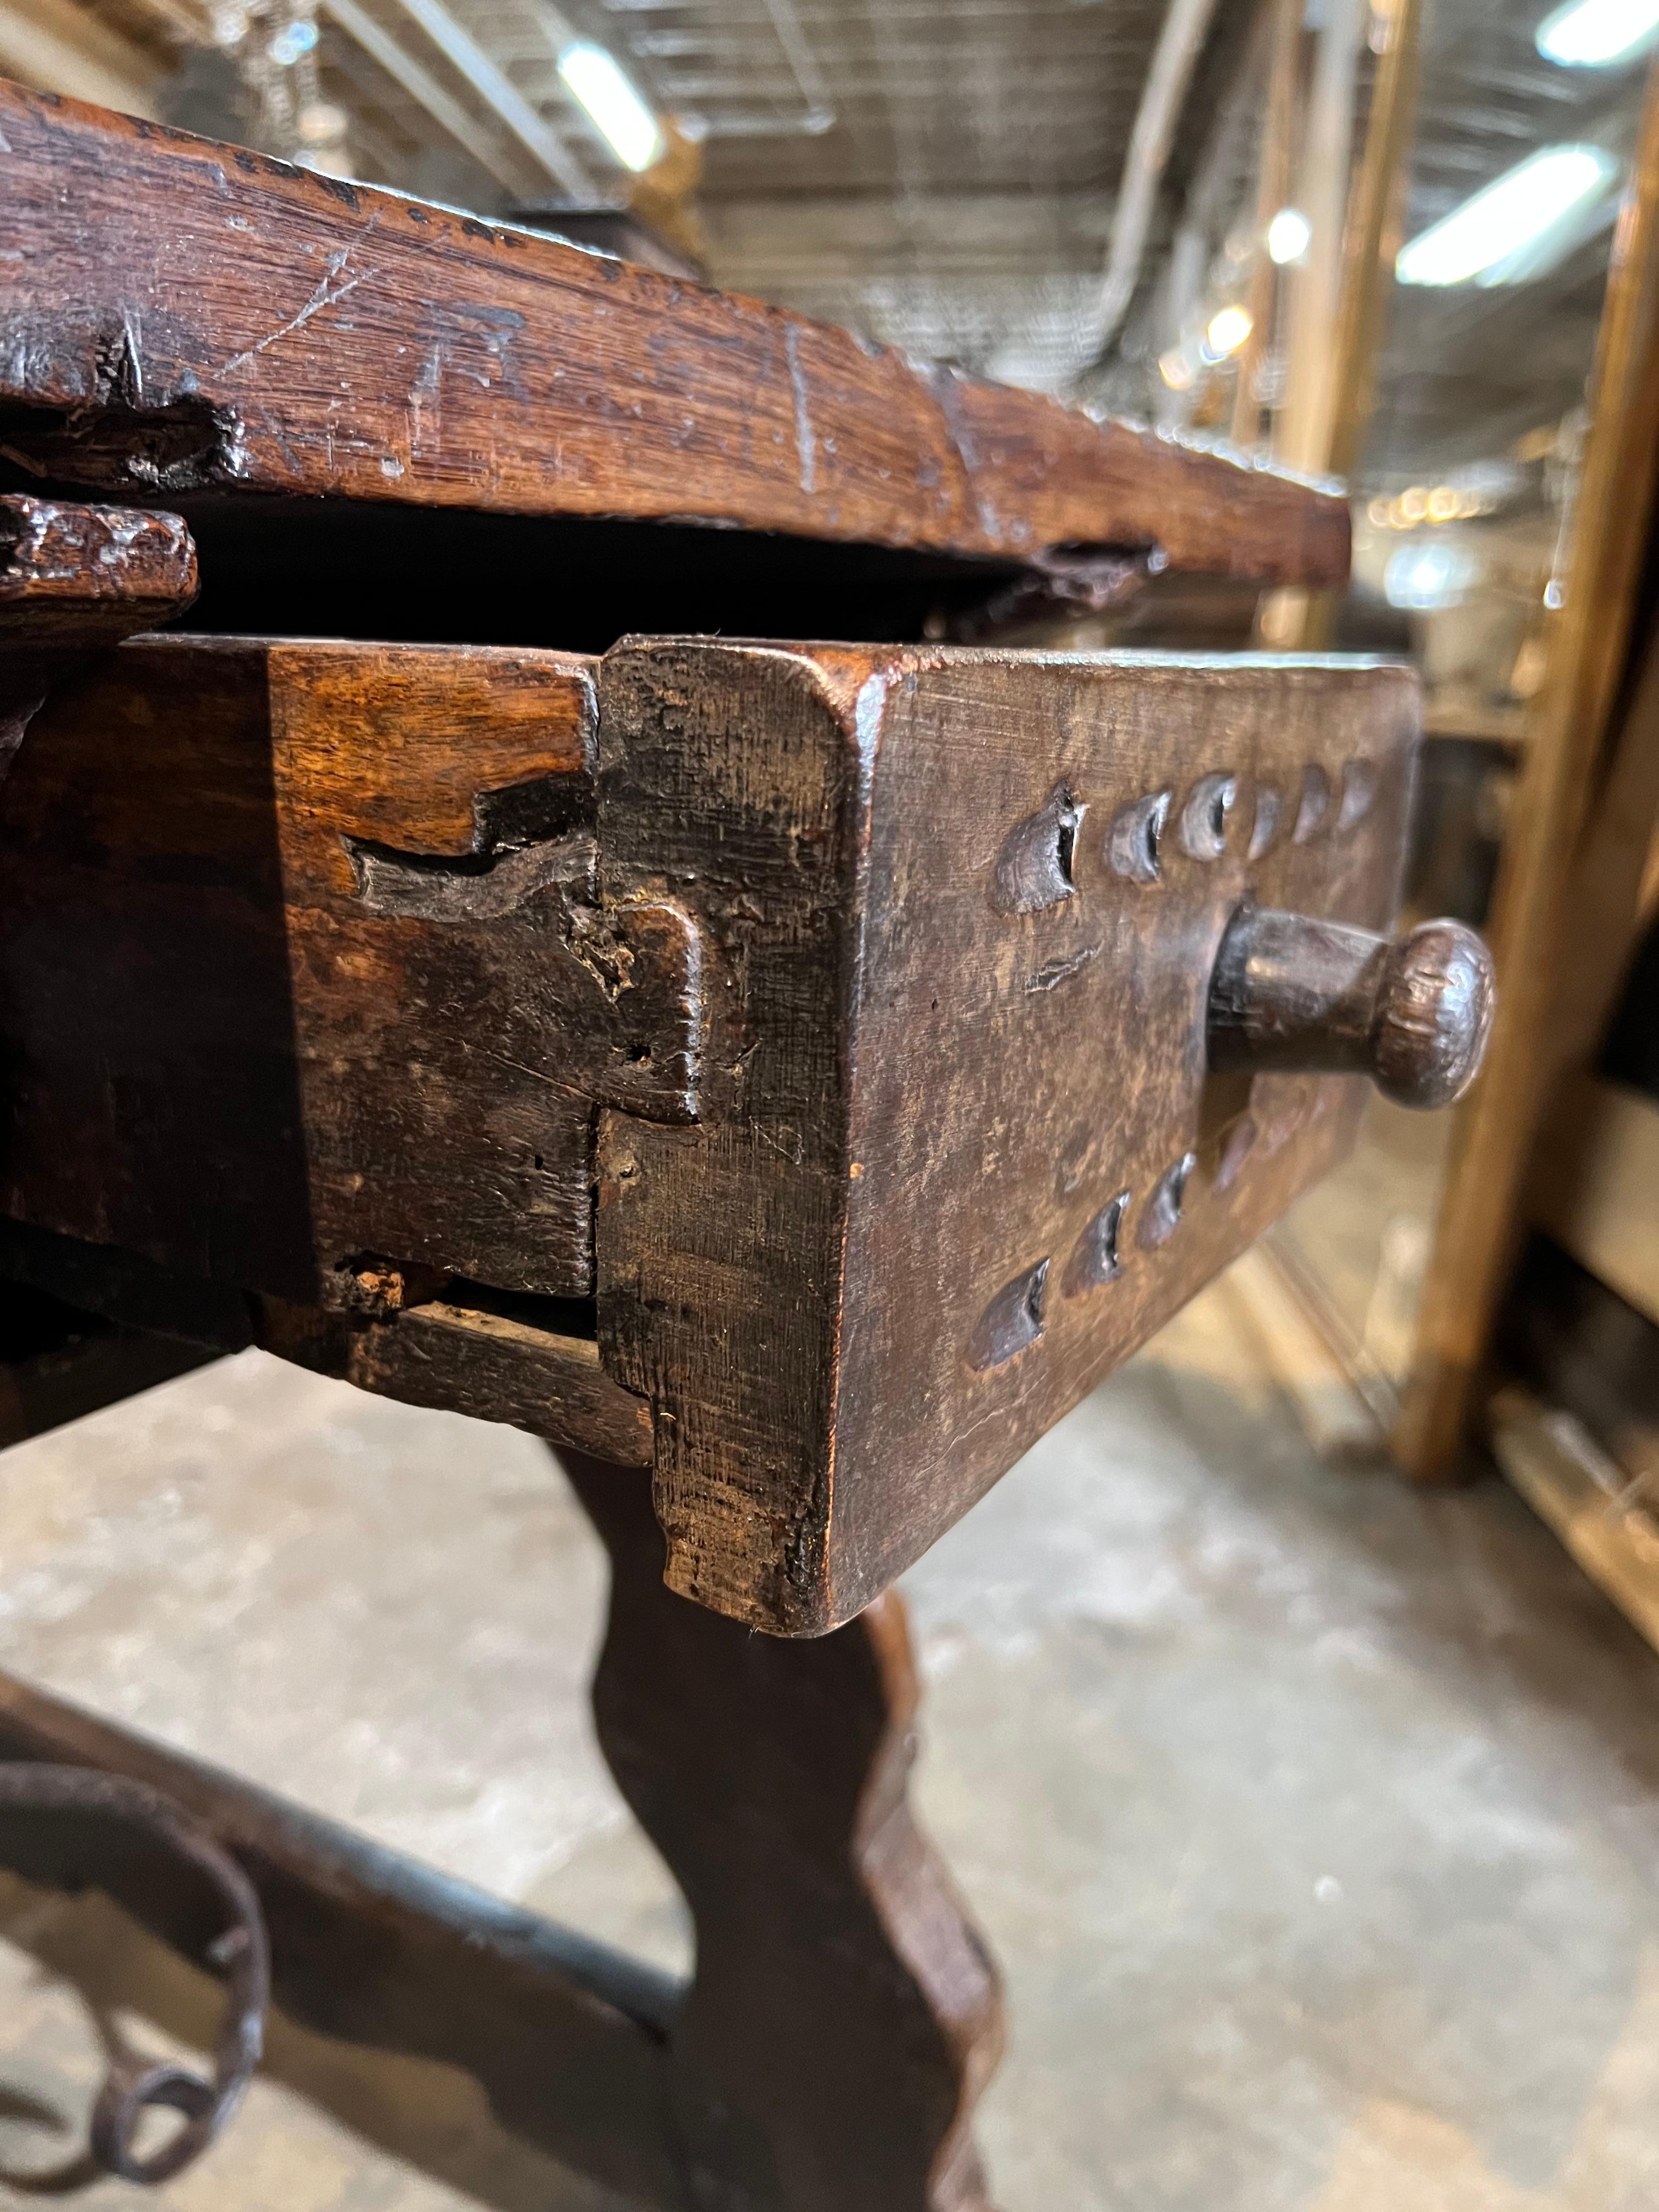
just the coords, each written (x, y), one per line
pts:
(571, 1317)
(401, 574)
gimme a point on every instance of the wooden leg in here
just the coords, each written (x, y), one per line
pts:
(845, 2014)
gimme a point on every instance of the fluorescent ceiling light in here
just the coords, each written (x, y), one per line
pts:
(1505, 232)
(1595, 34)
(1290, 233)
(620, 116)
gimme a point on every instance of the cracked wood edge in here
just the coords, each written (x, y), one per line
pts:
(75, 580)
(70, 572)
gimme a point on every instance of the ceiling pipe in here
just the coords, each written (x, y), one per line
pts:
(422, 88)
(533, 132)
(1302, 430)
(1284, 20)
(817, 115)
(51, 44)
(1209, 201)
(1180, 43)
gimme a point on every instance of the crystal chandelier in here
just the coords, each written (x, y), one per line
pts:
(273, 44)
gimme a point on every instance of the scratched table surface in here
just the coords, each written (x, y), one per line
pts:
(260, 326)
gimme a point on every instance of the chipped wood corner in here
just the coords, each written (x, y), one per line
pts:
(74, 580)
(735, 779)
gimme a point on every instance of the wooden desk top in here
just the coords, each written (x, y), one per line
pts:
(178, 316)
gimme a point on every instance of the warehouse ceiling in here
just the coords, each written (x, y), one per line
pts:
(1025, 96)
(941, 174)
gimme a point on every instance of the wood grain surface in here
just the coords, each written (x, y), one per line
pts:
(959, 1153)
(499, 1368)
(179, 315)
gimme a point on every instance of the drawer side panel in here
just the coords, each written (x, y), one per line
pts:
(219, 1055)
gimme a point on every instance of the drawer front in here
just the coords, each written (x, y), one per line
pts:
(1054, 1045)
(960, 1151)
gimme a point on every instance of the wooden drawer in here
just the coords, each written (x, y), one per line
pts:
(785, 1063)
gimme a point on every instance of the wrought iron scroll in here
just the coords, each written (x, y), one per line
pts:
(135, 2084)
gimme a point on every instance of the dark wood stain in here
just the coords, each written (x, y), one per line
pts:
(887, 1101)
(845, 2012)
(272, 1076)
(303, 344)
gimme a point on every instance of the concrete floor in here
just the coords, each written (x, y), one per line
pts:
(1315, 1823)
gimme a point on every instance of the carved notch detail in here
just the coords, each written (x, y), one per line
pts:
(643, 956)
(1034, 866)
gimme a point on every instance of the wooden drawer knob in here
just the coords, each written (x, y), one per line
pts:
(1293, 994)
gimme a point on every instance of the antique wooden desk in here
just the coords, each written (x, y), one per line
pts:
(461, 962)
